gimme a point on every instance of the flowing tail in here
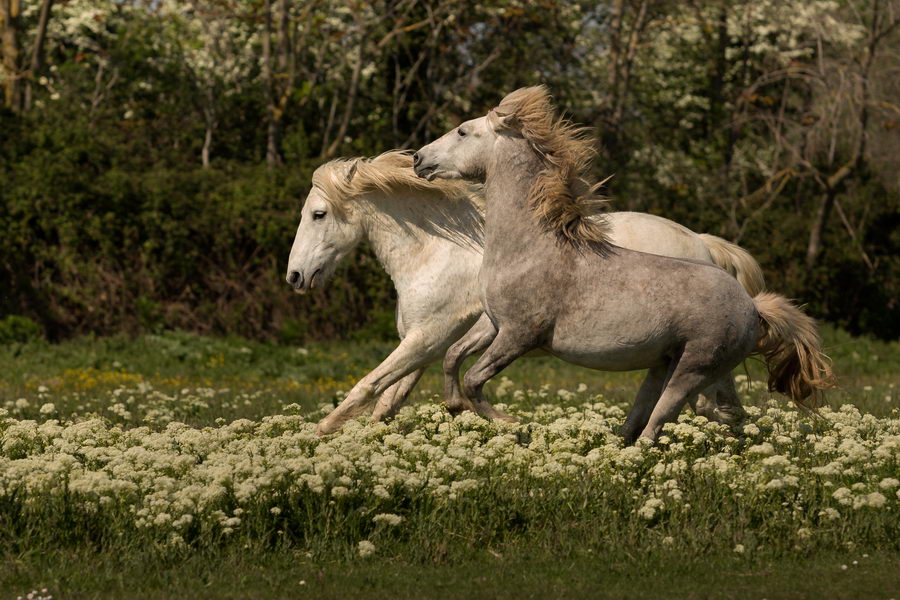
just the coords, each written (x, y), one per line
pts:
(737, 262)
(792, 348)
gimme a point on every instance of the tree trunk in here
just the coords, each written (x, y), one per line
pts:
(37, 54)
(207, 144)
(329, 124)
(626, 61)
(283, 79)
(285, 70)
(10, 10)
(272, 156)
(818, 229)
(210, 118)
(614, 55)
(351, 100)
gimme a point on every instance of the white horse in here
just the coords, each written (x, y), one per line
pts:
(428, 236)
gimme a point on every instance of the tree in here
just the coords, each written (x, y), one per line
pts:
(213, 42)
(10, 15)
(37, 52)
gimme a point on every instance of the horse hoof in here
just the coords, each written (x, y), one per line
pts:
(384, 415)
(502, 416)
(628, 436)
(454, 411)
(323, 429)
(456, 408)
(732, 418)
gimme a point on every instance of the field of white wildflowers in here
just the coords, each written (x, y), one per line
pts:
(120, 461)
(784, 481)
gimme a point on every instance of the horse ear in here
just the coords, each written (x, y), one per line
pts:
(504, 122)
(352, 171)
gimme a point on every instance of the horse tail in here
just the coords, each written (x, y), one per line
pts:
(737, 262)
(790, 343)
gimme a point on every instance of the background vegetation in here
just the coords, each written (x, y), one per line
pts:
(153, 155)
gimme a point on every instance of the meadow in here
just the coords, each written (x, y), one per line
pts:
(175, 464)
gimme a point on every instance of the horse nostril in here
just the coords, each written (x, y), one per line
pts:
(416, 159)
(292, 277)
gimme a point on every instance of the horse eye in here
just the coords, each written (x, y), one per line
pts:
(461, 132)
(319, 214)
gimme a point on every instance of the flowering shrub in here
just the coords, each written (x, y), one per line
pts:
(785, 481)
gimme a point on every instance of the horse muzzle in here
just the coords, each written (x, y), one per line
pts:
(296, 280)
(425, 171)
(300, 283)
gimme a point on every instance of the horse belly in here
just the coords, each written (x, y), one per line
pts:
(612, 349)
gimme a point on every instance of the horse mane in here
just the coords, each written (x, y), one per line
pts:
(451, 209)
(560, 197)
(346, 179)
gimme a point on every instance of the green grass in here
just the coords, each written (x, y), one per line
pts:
(868, 371)
(496, 543)
(521, 575)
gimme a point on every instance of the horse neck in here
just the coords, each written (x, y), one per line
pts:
(510, 226)
(403, 227)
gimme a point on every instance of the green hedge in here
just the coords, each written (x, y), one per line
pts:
(91, 245)
(100, 239)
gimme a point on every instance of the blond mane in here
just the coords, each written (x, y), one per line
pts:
(344, 180)
(560, 196)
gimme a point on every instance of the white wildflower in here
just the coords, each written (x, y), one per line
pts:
(366, 548)
(830, 513)
(843, 495)
(649, 509)
(763, 449)
(388, 519)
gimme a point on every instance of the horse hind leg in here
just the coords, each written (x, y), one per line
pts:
(691, 374)
(643, 405)
(705, 403)
(726, 406)
(719, 402)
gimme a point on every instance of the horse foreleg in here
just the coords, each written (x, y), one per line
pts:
(505, 348)
(475, 340)
(393, 398)
(414, 352)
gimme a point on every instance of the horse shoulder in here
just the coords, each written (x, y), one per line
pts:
(440, 284)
